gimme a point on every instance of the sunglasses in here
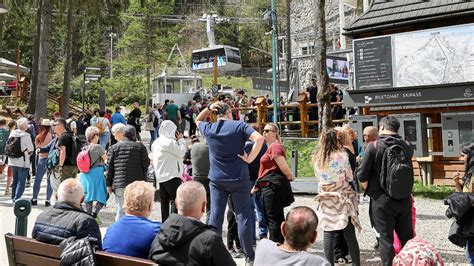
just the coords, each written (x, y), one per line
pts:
(267, 130)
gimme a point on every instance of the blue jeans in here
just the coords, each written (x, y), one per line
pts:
(260, 212)
(103, 139)
(240, 193)
(19, 180)
(152, 136)
(118, 193)
(40, 171)
(469, 253)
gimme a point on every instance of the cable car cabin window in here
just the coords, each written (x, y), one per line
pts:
(233, 56)
(205, 59)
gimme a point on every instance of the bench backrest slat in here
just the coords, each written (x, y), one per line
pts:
(30, 245)
(32, 259)
(105, 258)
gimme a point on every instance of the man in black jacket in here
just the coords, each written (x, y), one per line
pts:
(183, 238)
(66, 218)
(128, 162)
(388, 214)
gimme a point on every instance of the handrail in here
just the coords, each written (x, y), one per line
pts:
(303, 107)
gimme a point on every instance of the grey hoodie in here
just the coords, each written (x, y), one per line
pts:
(26, 146)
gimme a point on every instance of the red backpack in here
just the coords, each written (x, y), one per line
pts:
(83, 161)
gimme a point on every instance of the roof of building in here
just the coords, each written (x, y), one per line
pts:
(384, 14)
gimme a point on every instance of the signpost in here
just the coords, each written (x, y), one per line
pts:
(90, 74)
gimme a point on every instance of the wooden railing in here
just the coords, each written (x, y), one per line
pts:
(303, 107)
(57, 100)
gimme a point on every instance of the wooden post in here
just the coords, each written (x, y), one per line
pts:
(302, 100)
(261, 112)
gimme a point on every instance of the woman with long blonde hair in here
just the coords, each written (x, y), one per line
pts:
(337, 208)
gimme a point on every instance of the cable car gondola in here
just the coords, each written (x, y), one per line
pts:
(228, 58)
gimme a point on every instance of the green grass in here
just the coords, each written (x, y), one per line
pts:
(234, 82)
(305, 149)
(432, 192)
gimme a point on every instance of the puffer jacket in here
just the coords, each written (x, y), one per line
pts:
(187, 241)
(64, 221)
(167, 153)
(128, 162)
(78, 252)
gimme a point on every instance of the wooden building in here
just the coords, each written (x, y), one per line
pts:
(417, 57)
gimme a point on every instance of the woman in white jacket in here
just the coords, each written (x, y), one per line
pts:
(167, 154)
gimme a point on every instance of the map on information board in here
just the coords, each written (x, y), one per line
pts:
(435, 56)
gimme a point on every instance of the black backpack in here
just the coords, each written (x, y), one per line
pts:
(13, 148)
(77, 145)
(396, 174)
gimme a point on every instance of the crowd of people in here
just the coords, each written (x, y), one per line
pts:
(99, 155)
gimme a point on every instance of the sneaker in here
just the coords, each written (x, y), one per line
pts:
(249, 261)
(7, 191)
(47, 203)
(28, 184)
(34, 202)
(236, 253)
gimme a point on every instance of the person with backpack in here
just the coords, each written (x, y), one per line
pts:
(104, 126)
(19, 147)
(43, 139)
(388, 170)
(91, 163)
(65, 145)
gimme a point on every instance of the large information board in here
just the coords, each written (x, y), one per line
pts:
(418, 58)
(373, 63)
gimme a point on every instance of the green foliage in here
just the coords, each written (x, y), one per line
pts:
(305, 150)
(18, 31)
(432, 192)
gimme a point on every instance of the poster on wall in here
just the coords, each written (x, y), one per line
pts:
(419, 58)
(337, 69)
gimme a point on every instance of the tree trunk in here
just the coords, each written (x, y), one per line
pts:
(322, 80)
(67, 62)
(34, 74)
(44, 43)
(148, 60)
(288, 42)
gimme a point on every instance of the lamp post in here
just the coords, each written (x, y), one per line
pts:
(112, 35)
(274, 61)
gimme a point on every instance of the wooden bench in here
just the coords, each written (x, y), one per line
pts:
(27, 251)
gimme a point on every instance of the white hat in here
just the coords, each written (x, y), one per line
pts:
(46, 122)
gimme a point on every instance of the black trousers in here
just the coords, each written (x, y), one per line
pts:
(232, 231)
(192, 127)
(389, 215)
(205, 182)
(168, 195)
(350, 237)
(273, 212)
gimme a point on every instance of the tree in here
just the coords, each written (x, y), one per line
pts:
(67, 62)
(322, 79)
(44, 43)
(34, 73)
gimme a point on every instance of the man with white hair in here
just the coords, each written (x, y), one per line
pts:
(183, 238)
(19, 147)
(118, 131)
(66, 218)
